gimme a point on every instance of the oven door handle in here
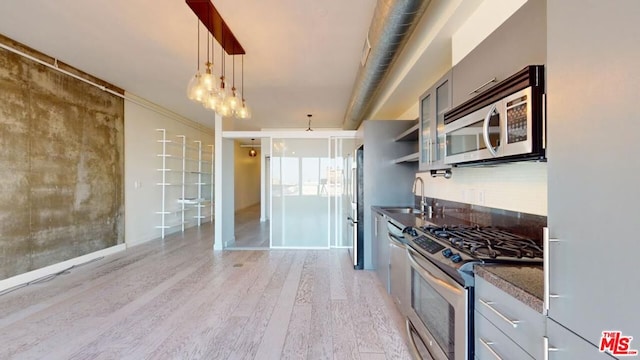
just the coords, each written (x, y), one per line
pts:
(395, 241)
(485, 130)
(432, 279)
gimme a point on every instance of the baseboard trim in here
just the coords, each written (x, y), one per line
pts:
(55, 268)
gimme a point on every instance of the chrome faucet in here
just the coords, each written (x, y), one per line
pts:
(423, 203)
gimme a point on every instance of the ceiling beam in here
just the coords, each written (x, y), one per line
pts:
(212, 20)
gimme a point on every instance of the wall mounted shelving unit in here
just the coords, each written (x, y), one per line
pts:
(186, 182)
(410, 135)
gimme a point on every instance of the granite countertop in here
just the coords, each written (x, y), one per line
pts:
(417, 220)
(523, 282)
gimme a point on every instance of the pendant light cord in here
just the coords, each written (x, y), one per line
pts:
(198, 47)
(242, 66)
(222, 65)
(208, 39)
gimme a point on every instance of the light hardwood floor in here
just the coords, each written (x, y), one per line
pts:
(177, 299)
(249, 231)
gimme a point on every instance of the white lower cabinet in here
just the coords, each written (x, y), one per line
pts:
(565, 345)
(493, 344)
(506, 328)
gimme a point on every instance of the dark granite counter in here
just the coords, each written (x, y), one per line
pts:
(525, 283)
(417, 220)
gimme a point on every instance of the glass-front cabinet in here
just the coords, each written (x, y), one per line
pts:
(433, 104)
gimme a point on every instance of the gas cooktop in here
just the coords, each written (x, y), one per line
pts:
(457, 248)
(486, 243)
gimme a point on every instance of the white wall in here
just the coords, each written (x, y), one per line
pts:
(142, 195)
(514, 186)
(247, 177)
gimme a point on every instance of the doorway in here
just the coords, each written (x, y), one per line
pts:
(301, 185)
(251, 229)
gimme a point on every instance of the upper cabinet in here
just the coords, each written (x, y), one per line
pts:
(518, 42)
(433, 104)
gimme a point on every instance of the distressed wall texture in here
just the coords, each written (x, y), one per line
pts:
(61, 166)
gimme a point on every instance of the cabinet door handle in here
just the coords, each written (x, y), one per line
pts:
(477, 90)
(546, 241)
(488, 304)
(547, 348)
(488, 344)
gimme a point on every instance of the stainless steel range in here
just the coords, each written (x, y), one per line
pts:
(440, 321)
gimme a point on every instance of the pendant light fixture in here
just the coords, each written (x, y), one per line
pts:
(309, 126)
(202, 88)
(208, 81)
(212, 97)
(243, 111)
(252, 152)
(233, 101)
(195, 91)
(222, 108)
(222, 91)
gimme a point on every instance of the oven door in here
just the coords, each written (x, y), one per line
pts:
(438, 312)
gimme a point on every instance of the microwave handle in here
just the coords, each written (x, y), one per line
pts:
(485, 131)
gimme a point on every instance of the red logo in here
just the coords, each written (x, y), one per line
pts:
(617, 344)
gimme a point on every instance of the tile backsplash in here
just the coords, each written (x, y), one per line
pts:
(520, 186)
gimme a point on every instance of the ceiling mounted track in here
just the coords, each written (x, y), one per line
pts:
(212, 20)
(392, 23)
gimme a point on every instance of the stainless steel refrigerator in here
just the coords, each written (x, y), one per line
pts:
(356, 213)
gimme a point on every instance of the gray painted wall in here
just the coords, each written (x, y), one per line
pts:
(385, 183)
(61, 156)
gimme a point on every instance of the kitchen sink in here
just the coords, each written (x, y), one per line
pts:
(402, 210)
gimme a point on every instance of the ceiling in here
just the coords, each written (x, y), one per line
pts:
(301, 58)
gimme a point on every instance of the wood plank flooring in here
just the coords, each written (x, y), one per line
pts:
(177, 299)
(250, 232)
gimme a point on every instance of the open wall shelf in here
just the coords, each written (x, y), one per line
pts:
(186, 180)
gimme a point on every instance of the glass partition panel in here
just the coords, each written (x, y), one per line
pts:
(300, 193)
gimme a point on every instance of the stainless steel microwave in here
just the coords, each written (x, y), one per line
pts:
(505, 123)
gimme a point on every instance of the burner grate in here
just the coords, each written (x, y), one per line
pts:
(486, 242)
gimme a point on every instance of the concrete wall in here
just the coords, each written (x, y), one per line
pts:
(247, 177)
(142, 196)
(61, 155)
